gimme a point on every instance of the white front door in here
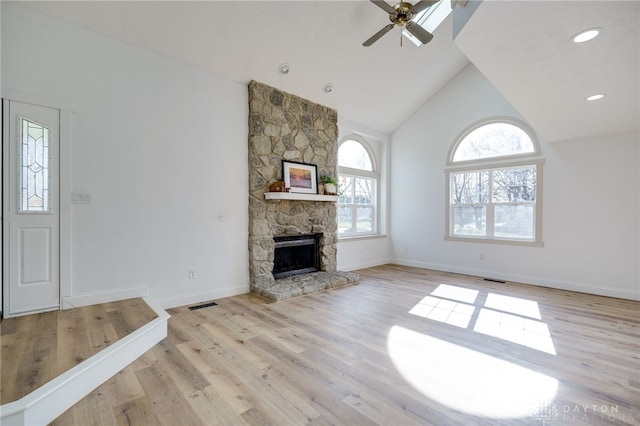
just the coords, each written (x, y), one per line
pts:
(31, 226)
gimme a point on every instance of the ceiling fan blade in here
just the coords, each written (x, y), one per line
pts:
(377, 35)
(420, 33)
(384, 6)
(422, 5)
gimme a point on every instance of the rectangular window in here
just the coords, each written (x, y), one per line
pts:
(494, 204)
(34, 179)
(356, 205)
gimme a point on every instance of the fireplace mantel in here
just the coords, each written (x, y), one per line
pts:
(298, 196)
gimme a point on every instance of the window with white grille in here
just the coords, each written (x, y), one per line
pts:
(357, 202)
(494, 181)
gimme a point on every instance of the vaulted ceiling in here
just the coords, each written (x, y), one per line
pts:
(522, 47)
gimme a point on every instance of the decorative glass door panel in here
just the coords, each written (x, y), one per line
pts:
(34, 179)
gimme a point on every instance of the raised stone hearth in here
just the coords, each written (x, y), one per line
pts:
(286, 127)
(299, 285)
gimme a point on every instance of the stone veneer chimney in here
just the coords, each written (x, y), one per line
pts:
(286, 127)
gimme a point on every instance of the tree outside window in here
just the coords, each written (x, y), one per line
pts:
(494, 179)
(357, 210)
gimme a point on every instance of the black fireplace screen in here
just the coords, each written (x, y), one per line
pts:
(296, 254)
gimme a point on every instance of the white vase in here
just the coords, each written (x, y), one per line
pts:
(330, 189)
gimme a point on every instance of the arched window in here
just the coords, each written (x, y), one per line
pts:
(494, 182)
(357, 209)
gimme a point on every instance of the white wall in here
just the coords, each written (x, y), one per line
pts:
(590, 201)
(363, 252)
(162, 149)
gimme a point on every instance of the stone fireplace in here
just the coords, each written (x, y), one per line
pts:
(286, 127)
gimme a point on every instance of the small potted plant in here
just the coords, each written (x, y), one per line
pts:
(330, 185)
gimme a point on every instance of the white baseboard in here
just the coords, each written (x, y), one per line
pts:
(98, 297)
(362, 265)
(46, 403)
(203, 296)
(524, 279)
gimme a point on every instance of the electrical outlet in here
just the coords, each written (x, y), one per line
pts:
(192, 274)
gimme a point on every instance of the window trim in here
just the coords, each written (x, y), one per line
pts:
(362, 141)
(374, 206)
(503, 158)
(353, 172)
(496, 163)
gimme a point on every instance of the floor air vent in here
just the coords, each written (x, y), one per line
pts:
(204, 305)
(495, 281)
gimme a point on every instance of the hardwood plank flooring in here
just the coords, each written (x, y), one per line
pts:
(37, 348)
(406, 346)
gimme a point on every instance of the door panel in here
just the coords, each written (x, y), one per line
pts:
(35, 251)
(31, 208)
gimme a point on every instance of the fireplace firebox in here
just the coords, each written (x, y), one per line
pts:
(296, 254)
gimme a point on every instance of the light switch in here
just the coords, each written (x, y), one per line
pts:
(80, 198)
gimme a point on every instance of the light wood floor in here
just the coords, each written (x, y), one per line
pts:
(36, 348)
(357, 356)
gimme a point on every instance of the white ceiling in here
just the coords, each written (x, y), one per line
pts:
(378, 87)
(547, 77)
(521, 46)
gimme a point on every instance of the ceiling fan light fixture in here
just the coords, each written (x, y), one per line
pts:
(586, 35)
(595, 97)
(284, 69)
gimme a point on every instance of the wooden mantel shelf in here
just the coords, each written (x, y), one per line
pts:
(299, 196)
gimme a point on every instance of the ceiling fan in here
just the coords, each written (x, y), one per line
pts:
(401, 15)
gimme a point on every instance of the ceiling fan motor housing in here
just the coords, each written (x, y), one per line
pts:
(404, 13)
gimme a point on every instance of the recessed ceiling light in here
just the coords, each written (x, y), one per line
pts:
(586, 35)
(284, 69)
(596, 97)
(328, 88)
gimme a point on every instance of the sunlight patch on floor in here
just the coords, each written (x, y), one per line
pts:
(454, 292)
(508, 318)
(516, 329)
(514, 305)
(446, 311)
(465, 379)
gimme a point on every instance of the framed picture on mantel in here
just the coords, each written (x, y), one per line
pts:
(300, 177)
